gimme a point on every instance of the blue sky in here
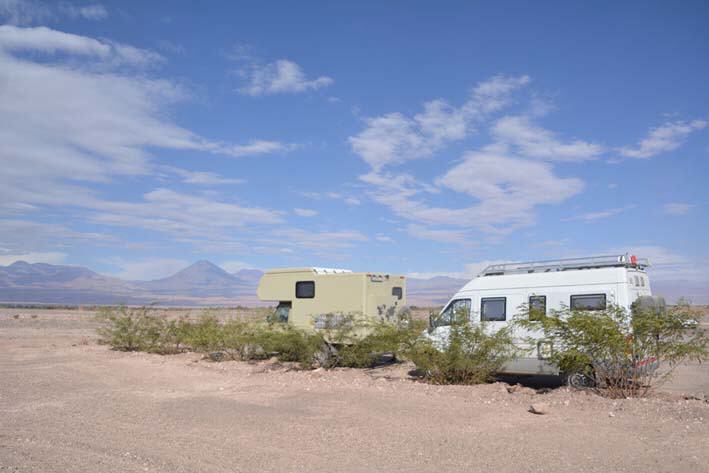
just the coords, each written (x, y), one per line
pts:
(420, 138)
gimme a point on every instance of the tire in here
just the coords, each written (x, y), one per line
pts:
(578, 380)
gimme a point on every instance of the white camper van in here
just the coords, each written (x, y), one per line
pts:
(496, 294)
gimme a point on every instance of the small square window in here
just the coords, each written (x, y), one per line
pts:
(537, 307)
(397, 292)
(588, 302)
(493, 309)
(305, 289)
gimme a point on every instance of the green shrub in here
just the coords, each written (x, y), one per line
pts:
(469, 354)
(128, 329)
(617, 352)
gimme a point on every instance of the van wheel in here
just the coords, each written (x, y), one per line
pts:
(578, 380)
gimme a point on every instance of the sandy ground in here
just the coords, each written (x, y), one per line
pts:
(68, 404)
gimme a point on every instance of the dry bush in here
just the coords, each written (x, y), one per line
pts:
(467, 354)
(617, 352)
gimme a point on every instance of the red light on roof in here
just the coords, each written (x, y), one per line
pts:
(633, 259)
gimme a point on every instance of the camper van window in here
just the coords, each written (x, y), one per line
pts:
(537, 307)
(397, 292)
(637, 281)
(588, 302)
(458, 306)
(642, 281)
(493, 309)
(305, 289)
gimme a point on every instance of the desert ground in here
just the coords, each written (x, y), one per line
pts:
(68, 404)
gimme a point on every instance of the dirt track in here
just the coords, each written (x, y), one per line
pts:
(67, 404)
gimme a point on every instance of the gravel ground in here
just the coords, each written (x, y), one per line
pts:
(68, 404)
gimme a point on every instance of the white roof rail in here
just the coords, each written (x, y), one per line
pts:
(566, 264)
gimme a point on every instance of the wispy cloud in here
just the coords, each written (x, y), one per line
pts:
(533, 141)
(279, 77)
(666, 137)
(598, 215)
(677, 208)
(305, 212)
(26, 12)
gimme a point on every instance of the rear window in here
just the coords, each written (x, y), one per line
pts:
(397, 292)
(305, 289)
(493, 309)
(588, 302)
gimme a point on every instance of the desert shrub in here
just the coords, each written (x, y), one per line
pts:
(129, 329)
(204, 335)
(467, 354)
(617, 352)
(288, 343)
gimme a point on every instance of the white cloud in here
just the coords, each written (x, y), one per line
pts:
(533, 141)
(110, 123)
(305, 212)
(506, 187)
(281, 76)
(676, 208)
(49, 41)
(666, 137)
(50, 257)
(598, 215)
(384, 239)
(395, 138)
(147, 269)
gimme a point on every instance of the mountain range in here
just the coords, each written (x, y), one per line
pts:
(206, 284)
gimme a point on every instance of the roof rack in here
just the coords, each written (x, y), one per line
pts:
(590, 262)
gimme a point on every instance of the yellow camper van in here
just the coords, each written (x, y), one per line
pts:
(306, 294)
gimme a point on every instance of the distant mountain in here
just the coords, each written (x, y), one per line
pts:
(435, 291)
(202, 279)
(48, 283)
(696, 293)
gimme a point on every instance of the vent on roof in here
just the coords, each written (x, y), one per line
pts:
(330, 271)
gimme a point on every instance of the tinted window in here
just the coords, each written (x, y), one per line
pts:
(397, 292)
(537, 307)
(305, 289)
(493, 309)
(637, 281)
(460, 307)
(642, 281)
(589, 302)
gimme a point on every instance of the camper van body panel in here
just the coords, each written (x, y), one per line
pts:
(371, 296)
(619, 285)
